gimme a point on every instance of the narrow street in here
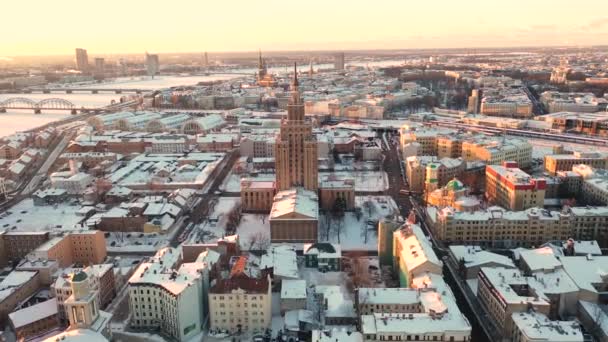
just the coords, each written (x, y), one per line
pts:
(395, 170)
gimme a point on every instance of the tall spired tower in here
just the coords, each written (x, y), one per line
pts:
(296, 147)
(262, 71)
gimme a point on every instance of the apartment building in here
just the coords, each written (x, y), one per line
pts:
(426, 137)
(425, 312)
(518, 105)
(240, 303)
(512, 188)
(494, 151)
(506, 291)
(35, 320)
(258, 146)
(555, 101)
(444, 142)
(17, 287)
(564, 162)
(14, 245)
(85, 247)
(497, 227)
(166, 296)
(413, 254)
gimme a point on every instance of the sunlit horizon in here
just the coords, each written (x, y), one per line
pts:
(114, 27)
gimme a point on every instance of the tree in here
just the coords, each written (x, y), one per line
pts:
(358, 213)
(259, 241)
(337, 212)
(234, 219)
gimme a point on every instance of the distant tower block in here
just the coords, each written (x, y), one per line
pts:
(339, 61)
(82, 60)
(311, 71)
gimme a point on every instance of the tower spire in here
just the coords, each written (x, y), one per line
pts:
(295, 82)
(260, 62)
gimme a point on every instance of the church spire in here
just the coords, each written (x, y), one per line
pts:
(260, 62)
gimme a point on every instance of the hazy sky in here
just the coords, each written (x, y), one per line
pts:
(35, 27)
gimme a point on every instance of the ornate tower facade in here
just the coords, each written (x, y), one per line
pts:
(261, 67)
(296, 147)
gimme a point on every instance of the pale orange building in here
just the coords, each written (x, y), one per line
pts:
(257, 196)
(86, 247)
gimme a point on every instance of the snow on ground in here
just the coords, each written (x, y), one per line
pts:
(365, 181)
(135, 242)
(351, 232)
(253, 227)
(25, 216)
(210, 231)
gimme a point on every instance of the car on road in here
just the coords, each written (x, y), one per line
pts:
(405, 192)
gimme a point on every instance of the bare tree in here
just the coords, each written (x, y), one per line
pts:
(262, 241)
(234, 219)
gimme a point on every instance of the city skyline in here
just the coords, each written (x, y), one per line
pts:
(325, 26)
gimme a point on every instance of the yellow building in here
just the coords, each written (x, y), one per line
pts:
(496, 227)
(564, 162)
(510, 187)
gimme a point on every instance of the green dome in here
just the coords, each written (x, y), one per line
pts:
(455, 185)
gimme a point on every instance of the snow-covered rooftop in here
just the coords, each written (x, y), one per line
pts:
(33, 313)
(293, 289)
(540, 259)
(538, 327)
(282, 259)
(296, 201)
(475, 256)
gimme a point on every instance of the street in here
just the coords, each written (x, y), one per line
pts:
(394, 168)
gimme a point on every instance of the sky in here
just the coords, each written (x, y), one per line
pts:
(42, 27)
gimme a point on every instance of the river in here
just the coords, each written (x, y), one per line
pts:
(20, 120)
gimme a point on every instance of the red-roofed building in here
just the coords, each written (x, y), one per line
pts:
(512, 188)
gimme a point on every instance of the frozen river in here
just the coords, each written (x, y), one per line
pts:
(15, 121)
(158, 82)
(20, 120)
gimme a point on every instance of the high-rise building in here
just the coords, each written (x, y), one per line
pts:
(82, 59)
(296, 147)
(339, 61)
(152, 64)
(206, 59)
(99, 65)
